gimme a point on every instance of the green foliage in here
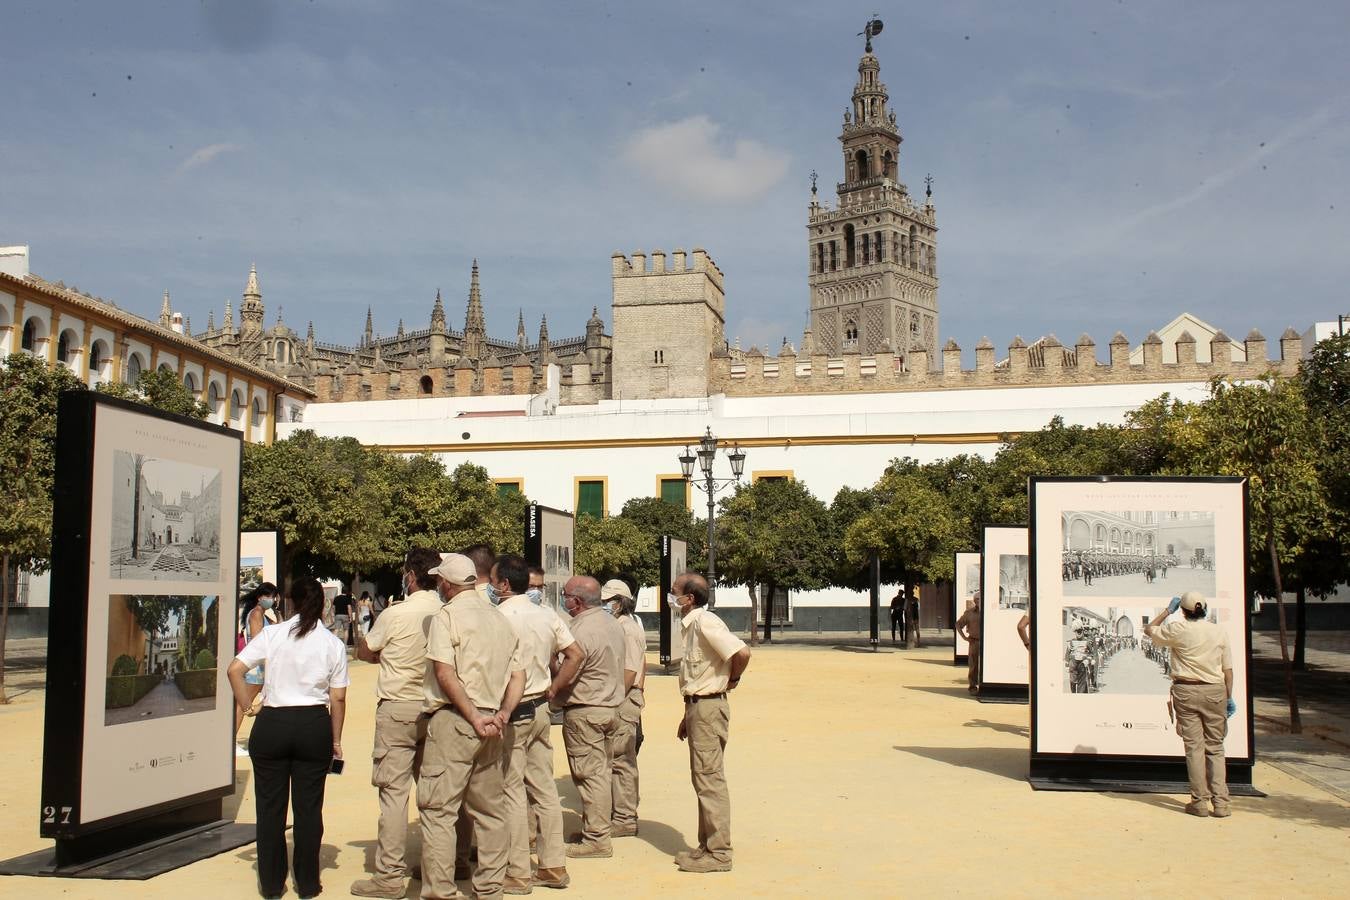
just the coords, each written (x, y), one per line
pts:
(152, 613)
(205, 660)
(124, 690)
(775, 533)
(654, 517)
(197, 683)
(610, 546)
(124, 665)
(913, 528)
(160, 389)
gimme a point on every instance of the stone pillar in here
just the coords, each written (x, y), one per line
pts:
(918, 365)
(951, 359)
(1120, 352)
(1086, 352)
(1256, 347)
(1185, 349)
(984, 357)
(463, 378)
(1052, 356)
(1291, 349)
(1221, 352)
(1018, 361)
(1153, 347)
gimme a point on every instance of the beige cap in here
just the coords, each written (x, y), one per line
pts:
(1191, 599)
(456, 568)
(615, 588)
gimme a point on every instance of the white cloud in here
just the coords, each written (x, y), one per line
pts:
(688, 158)
(203, 156)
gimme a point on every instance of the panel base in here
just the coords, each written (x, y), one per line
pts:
(1128, 777)
(1003, 693)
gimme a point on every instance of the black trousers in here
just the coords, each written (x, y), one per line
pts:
(291, 748)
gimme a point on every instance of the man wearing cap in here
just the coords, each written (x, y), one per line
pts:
(398, 644)
(589, 706)
(1202, 696)
(624, 768)
(714, 660)
(968, 626)
(528, 753)
(474, 681)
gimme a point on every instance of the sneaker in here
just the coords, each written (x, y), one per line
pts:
(589, 851)
(1221, 811)
(705, 863)
(517, 886)
(552, 878)
(369, 887)
(686, 855)
(624, 830)
(1198, 808)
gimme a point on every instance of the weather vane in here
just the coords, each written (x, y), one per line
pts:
(873, 29)
(928, 183)
(814, 176)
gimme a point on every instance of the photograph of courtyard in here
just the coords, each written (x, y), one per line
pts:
(166, 520)
(1138, 554)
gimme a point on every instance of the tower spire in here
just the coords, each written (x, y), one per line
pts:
(368, 336)
(474, 327)
(438, 313)
(520, 329)
(251, 309)
(166, 312)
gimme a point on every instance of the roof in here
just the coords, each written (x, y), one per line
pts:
(57, 291)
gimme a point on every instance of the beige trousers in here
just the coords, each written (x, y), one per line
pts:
(588, 735)
(461, 769)
(624, 769)
(400, 732)
(527, 778)
(1202, 722)
(707, 725)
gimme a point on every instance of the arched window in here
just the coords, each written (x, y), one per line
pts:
(850, 332)
(236, 407)
(913, 247)
(134, 368)
(257, 413)
(867, 249)
(860, 164)
(215, 401)
(426, 384)
(888, 165)
(66, 346)
(279, 352)
(165, 367)
(880, 242)
(190, 382)
(834, 256)
(30, 335)
(849, 253)
(820, 257)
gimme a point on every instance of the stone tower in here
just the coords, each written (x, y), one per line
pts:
(251, 309)
(873, 258)
(436, 341)
(668, 323)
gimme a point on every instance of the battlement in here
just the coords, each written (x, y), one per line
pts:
(680, 264)
(1046, 363)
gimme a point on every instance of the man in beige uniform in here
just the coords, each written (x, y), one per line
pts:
(590, 704)
(969, 627)
(473, 684)
(527, 761)
(1202, 696)
(398, 643)
(624, 768)
(713, 662)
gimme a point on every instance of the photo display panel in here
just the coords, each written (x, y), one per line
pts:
(156, 595)
(963, 592)
(549, 536)
(1005, 598)
(674, 562)
(1109, 556)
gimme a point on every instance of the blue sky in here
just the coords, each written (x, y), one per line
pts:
(1098, 166)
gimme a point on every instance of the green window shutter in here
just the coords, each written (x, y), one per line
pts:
(591, 498)
(507, 488)
(673, 491)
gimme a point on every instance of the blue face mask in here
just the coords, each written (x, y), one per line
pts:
(536, 596)
(266, 602)
(491, 590)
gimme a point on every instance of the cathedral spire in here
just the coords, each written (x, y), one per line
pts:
(474, 326)
(210, 321)
(438, 314)
(368, 336)
(166, 312)
(251, 309)
(520, 329)
(228, 326)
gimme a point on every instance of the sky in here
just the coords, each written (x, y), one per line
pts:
(1098, 165)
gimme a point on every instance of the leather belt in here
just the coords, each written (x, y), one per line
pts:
(694, 698)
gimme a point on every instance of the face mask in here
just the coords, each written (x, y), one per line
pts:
(266, 602)
(673, 602)
(536, 595)
(491, 590)
(609, 609)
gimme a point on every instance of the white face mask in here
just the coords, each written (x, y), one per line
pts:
(536, 595)
(673, 602)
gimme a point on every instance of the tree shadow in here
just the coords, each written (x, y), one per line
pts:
(1019, 730)
(1008, 762)
(941, 661)
(1301, 810)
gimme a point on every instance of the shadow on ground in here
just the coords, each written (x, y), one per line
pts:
(1303, 810)
(1019, 730)
(954, 691)
(1008, 762)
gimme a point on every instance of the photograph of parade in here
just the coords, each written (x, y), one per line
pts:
(1014, 590)
(161, 656)
(1137, 554)
(165, 519)
(1107, 652)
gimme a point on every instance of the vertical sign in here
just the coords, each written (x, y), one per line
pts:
(674, 555)
(967, 582)
(549, 537)
(1005, 598)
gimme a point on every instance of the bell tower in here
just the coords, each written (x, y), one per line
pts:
(873, 258)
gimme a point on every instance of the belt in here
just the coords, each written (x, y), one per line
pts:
(1192, 681)
(525, 710)
(694, 698)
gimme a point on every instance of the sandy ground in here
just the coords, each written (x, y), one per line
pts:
(852, 774)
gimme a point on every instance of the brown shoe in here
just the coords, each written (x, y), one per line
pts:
(1221, 811)
(370, 887)
(623, 830)
(517, 886)
(1198, 808)
(705, 863)
(552, 878)
(589, 851)
(686, 855)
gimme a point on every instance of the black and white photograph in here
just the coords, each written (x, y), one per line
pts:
(161, 656)
(1014, 590)
(967, 569)
(1106, 652)
(1137, 554)
(165, 519)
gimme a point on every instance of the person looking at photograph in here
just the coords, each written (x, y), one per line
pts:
(297, 735)
(260, 609)
(968, 626)
(1202, 697)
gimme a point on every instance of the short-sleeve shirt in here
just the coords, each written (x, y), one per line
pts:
(971, 619)
(635, 654)
(299, 670)
(342, 605)
(708, 649)
(1200, 649)
(400, 637)
(542, 635)
(599, 681)
(473, 636)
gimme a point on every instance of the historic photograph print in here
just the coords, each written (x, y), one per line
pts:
(1137, 554)
(165, 519)
(1014, 591)
(1105, 651)
(161, 656)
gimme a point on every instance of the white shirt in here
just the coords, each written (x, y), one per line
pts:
(299, 671)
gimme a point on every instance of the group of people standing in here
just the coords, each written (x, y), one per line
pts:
(471, 663)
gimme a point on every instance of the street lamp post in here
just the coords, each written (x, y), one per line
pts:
(710, 485)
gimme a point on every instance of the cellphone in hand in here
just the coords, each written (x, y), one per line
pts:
(335, 767)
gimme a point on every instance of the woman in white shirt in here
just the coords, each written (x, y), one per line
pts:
(296, 736)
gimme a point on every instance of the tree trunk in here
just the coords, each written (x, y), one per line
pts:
(1295, 724)
(911, 620)
(1300, 628)
(754, 614)
(768, 614)
(4, 622)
